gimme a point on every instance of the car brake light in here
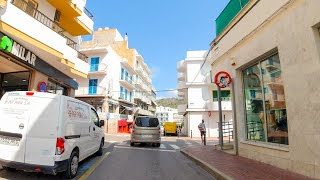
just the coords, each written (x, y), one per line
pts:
(59, 146)
(29, 93)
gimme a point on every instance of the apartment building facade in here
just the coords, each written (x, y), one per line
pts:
(272, 51)
(167, 114)
(119, 83)
(39, 45)
(199, 95)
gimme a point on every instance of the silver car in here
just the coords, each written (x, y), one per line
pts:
(146, 129)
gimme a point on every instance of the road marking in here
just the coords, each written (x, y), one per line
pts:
(112, 141)
(162, 146)
(144, 149)
(174, 146)
(188, 143)
(93, 167)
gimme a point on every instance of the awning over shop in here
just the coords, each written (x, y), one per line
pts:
(113, 102)
(128, 108)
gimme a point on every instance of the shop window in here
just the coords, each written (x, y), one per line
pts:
(266, 117)
(225, 95)
(18, 81)
(56, 88)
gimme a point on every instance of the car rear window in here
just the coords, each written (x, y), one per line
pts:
(147, 122)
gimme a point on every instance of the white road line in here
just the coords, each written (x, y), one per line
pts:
(112, 141)
(174, 146)
(144, 149)
(162, 146)
(188, 143)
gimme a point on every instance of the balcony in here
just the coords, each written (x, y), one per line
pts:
(229, 12)
(226, 104)
(182, 109)
(144, 112)
(46, 37)
(138, 95)
(127, 82)
(98, 69)
(91, 92)
(66, 7)
(181, 77)
(181, 66)
(139, 84)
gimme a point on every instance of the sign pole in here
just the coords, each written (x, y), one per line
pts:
(220, 118)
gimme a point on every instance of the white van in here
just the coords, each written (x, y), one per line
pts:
(49, 133)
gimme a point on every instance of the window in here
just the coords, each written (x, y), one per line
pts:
(57, 16)
(93, 86)
(266, 116)
(56, 88)
(127, 76)
(111, 108)
(17, 81)
(130, 96)
(94, 64)
(225, 95)
(122, 74)
(121, 92)
(147, 122)
(31, 7)
(126, 94)
(94, 117)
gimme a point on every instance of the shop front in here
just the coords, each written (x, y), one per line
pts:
(23, 70)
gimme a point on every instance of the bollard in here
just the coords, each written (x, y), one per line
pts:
(191, 134)
(204, 140)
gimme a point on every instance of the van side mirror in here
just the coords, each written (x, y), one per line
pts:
(101, 123)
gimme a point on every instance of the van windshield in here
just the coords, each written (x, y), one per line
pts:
(147, 122)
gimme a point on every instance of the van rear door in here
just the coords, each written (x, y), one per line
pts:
(14, 116)
(42, 129)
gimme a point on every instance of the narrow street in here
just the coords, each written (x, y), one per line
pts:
(121, 161)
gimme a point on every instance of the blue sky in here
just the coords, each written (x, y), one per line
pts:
(161, 30)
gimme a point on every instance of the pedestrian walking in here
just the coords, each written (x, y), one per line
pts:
(202, 128)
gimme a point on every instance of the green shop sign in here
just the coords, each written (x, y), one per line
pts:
(10, 46)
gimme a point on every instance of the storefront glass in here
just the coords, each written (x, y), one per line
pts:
(55, 88)
(17, 81)
(265, 102)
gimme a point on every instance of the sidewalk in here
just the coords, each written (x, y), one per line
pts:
(226, 166)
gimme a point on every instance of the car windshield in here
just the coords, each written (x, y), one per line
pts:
(147, 122)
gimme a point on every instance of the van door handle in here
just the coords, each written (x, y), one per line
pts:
(94, 129)
(89, 128)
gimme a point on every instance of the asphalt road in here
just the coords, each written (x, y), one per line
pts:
(121, 161)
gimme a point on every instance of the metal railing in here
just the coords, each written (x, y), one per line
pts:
(33, 12)
(88, 13)
(227, 130)
(43, 19)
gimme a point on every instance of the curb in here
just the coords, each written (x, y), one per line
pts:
(210, 169)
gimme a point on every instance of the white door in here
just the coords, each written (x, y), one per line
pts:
(42, 131)
(14, 116)
(95, 131)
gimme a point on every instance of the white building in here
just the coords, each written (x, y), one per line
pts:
(41, 42)
(200, 96)
(167, 114)
(119, 82)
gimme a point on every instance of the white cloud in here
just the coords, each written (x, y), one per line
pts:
(168, 94)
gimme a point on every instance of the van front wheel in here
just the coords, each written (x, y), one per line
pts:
(73, 164)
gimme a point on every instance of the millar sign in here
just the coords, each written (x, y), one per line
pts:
(11, 46)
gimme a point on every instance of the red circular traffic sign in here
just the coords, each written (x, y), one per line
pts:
(223, 79)
(42, 87)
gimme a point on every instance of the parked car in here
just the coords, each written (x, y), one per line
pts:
(49, 133)
(146, 129)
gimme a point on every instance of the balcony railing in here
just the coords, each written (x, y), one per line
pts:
(43, 19)
(88, 13)
(223, 99)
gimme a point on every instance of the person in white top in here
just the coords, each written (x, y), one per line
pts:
(202, 128)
